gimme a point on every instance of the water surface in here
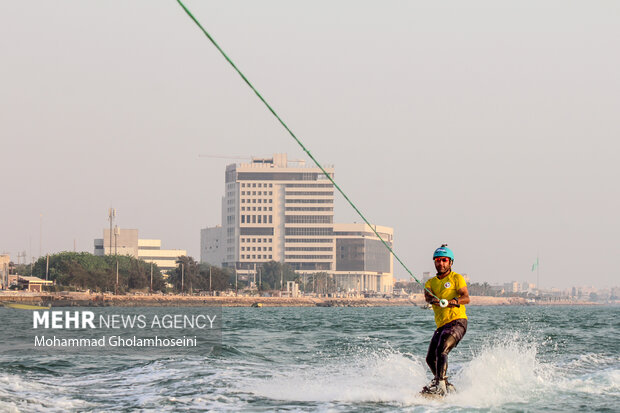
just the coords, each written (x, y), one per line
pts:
(338, 360)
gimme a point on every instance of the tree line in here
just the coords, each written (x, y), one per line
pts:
(190, 276)
(83, 270)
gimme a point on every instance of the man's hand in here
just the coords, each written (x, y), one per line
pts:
(454, 303)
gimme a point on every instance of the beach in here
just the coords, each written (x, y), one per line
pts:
(74, 299)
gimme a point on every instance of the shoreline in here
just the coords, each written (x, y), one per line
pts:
(110, 300)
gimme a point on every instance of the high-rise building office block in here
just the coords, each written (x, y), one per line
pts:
(280, 210)
(274, 209)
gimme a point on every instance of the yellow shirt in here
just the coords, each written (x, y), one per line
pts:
(447, 288)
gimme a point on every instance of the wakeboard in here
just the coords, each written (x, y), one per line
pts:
(436, 396)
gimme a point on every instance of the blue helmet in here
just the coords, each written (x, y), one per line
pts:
(444, 251)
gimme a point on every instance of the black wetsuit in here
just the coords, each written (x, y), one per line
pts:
(444, 340)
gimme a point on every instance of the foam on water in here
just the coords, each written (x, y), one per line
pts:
(500, 372)
(602, 382)
(326, 369)
(392, 377)
(34, 396)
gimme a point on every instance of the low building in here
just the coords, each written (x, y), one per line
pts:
(34, 284)
(512, 287)
(127, 242)
(363, 263)
(149, 250)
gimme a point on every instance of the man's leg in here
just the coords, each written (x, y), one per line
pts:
(431, 355)
(446, 343)
(450, 338)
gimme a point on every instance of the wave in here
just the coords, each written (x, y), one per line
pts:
(502, 372)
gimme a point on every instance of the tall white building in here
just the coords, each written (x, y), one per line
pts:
(274, 209)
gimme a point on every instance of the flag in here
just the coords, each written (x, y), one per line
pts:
(535, 265)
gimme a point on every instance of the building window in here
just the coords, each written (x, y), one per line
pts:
(308, 231)
(309, 219)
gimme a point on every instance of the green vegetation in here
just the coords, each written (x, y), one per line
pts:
(274, 275)
(85, 271)
(82, 270)
(192, 277)
(320, 283)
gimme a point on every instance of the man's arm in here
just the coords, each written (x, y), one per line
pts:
(429, 298)
(461, 298)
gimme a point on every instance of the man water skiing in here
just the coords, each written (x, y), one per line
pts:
(451, 319)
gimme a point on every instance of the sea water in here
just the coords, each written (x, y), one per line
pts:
(338, 359)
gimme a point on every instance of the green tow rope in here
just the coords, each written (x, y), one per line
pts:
(303, 147)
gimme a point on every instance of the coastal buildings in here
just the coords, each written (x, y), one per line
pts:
(32, 284)
(5, 259)
(281, 210)
(363, 263)
(126, 242)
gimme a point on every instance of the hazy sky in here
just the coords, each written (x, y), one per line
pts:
(490, 126)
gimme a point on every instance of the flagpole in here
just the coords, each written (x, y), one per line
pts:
(537, 271)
